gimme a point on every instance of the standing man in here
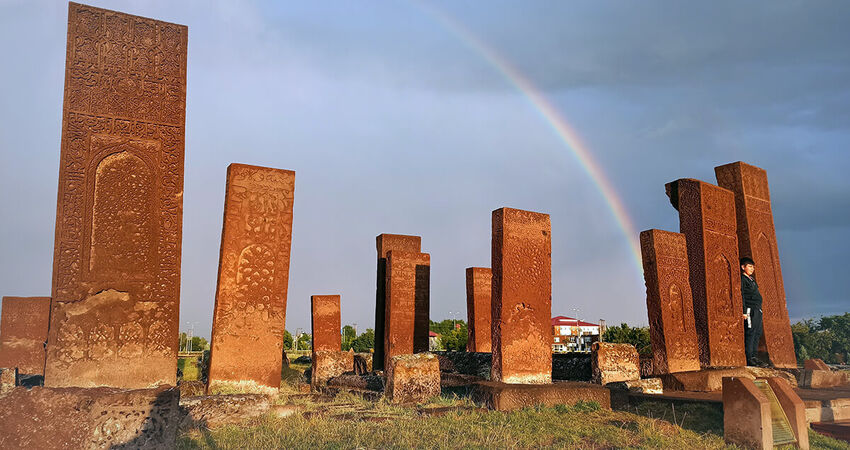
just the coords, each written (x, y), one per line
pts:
(752, 311)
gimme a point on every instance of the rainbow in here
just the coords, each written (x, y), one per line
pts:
(553, 118)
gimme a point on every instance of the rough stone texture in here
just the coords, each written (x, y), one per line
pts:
(219, 410)
(386, 243)
(8, 379)
(647, 367)
(407, 304)
(711, 380)
(819, 379)
(119, 215)
(521, 297)
(707, 219)
(362, 363)
(509, 397)
(669, 303)
(369, 382)
(614, 362)
(746, 414)
(326, 323)
(644, 385)
(23, 332)
(478, 309)
(757, 239)
(794, 408)
(97, 418)
(412, 378)
(815, 364)
(253, 277)
(328, 364)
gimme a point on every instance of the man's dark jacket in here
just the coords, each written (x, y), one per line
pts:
(750, 292)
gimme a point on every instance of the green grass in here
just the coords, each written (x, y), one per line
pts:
(451, 421)
(581, 426)
(189, 368)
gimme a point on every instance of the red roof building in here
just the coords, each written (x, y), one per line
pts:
(570, 335)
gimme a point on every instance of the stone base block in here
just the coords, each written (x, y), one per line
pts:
(329, 364)
(213, 411)
(645, 386)
(815, 364)
(711, 380)
(413, 378)
(746, 414)
(508, 397)
(362, 363)
(818, 379)
(614, 362)
(794, 408)
(89, 418)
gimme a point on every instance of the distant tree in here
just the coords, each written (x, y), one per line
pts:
(624, 334)
(364, 342)
(455, 339)
(827, 338)
(287, 340)
(305, 342)
(199, 343)
(446, 326)
(348, 336)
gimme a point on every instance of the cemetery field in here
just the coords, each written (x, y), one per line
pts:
(349, 421)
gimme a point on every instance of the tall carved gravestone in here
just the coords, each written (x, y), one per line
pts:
(23, 331)
(522, 297)
(116, 264)
(385, 243)
(253, 277)
(326, 323)
(669, 303)
(757, 239)
(407, 301)
(478, 309)
(707, 219)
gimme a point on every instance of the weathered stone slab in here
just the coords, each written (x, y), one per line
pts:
(509, 397)
(385, 243)
(328, 364)
(707, 219)
(97, 418)
(213, 411)
(757, 239)
(746, 414)
(819, 379)
(23, 333)
(669, 303)
(794, 408)
(412, 378)
(521, 297)
(250, 303)
(711, 380)
(119, 215)
(478, 309)
(614, 362)
(407, 302)
(643, 386)
(815, 364)
(326, 323)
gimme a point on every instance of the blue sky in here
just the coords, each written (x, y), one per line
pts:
(393, 124)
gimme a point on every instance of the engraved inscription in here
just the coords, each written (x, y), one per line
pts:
(116, 265)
